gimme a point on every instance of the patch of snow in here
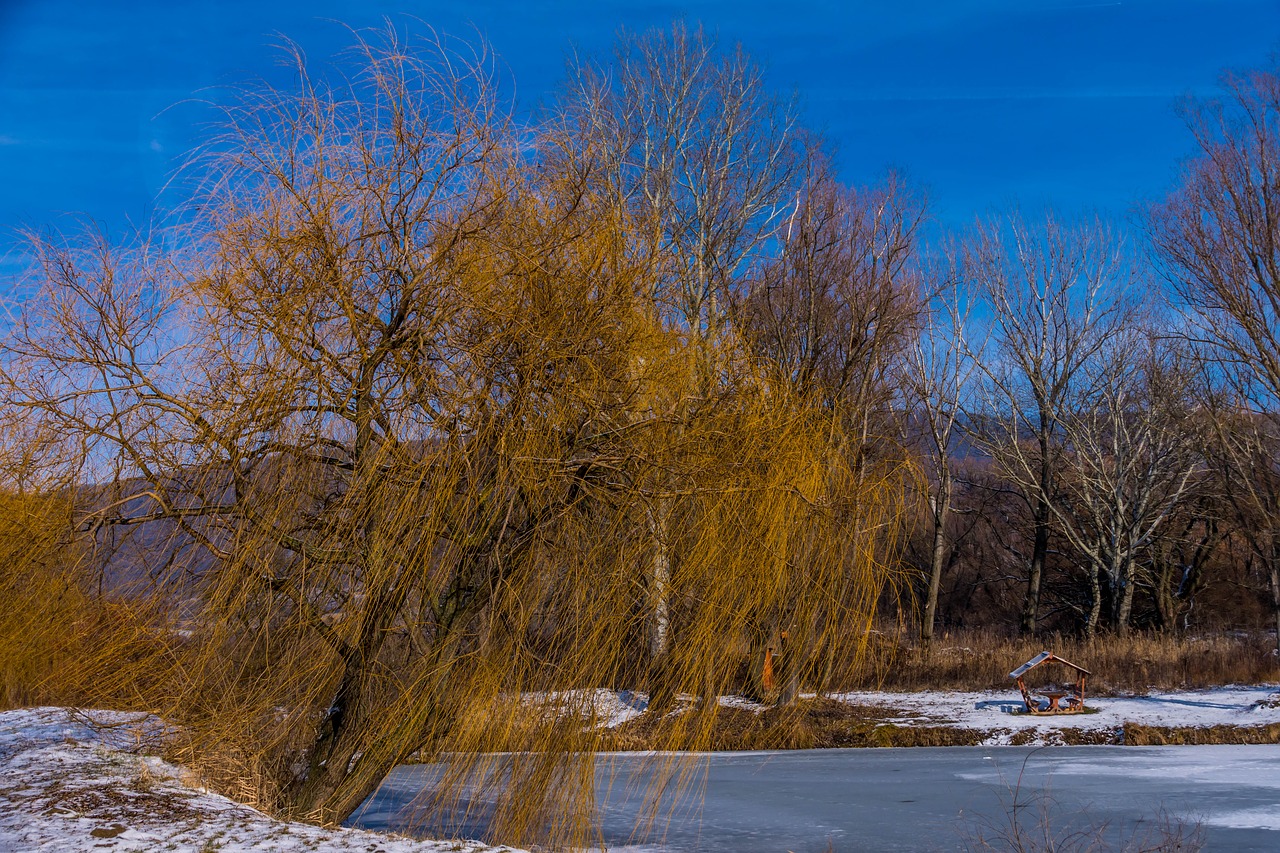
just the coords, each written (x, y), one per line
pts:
(74, 780)
(615, 707)
(610, 708)
(998, 713)
(743, 703)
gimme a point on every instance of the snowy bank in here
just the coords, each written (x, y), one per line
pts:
(81, 781)
(997, 712)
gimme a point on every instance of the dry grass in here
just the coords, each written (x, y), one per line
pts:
(1136, 734)
(808, 724)
(981, 660)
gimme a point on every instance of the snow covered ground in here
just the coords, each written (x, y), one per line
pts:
(995, 711)
(999, 711)
(74, 781)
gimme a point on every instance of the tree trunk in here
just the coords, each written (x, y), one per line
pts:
(1040, 549)
(942, 507)
(1274, 576)
(1166, 607)
(1095, 601)
(660, 580)
(319, 795)
(1125, 607)
(662, 689)
(346, 763)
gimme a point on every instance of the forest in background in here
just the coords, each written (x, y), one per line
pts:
(417, 411)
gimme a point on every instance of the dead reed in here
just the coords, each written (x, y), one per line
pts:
(982, 659)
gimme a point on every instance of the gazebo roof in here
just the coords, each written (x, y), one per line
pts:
(1045, 657)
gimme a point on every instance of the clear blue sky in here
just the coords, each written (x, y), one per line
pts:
(984, 102)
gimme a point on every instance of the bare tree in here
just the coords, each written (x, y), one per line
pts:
(1218, 237)
(695, 152)
(832, 314)
(1243, 446)
(699, 152)
(838, 307)
(254, 393)
(936, 375)
(1128, 464)
(1054, 294)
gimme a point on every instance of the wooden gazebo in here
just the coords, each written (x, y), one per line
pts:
(1060, 699)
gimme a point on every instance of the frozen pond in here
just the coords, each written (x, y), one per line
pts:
(914, 799)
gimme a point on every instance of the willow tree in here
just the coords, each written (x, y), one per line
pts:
(387, 417)
(834, 309)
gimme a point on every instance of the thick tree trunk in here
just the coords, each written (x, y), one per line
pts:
(1039, 551)
(353, 750)
(332, 788)
(323, 794)
(1095, 601)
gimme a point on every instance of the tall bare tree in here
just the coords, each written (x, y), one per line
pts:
(936, 375)
(1053, 294)
(1242, 444)
(701, 158)
(699, 152)
(839, 306)
(1218, 237)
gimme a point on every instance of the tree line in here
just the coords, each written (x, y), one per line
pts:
(422, 420)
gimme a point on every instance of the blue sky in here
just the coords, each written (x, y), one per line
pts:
(983, 102)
